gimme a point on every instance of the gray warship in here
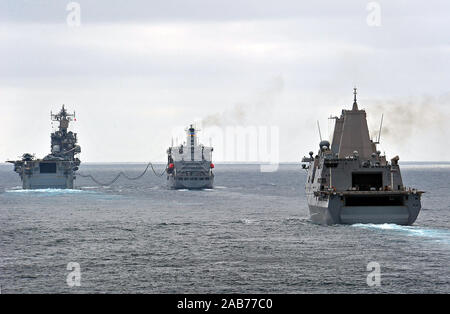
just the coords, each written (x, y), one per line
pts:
(351, 182)
(189, 166)
(56, 170)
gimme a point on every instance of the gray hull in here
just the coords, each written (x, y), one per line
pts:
(39, 174)
(190, 175)
(335, 211)
(48, 181)
(181, 183)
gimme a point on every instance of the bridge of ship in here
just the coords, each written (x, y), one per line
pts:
(344, 174)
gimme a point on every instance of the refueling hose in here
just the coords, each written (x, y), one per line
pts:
(124, 175)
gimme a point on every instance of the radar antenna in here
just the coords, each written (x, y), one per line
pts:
(320, 133)
(379, 132)
(63, 117)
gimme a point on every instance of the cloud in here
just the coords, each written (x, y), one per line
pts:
(135, 71)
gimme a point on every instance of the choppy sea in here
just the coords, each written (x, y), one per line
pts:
(250, 234)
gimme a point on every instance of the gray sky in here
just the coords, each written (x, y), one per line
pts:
(134, 70)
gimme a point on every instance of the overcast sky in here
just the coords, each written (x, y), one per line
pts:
(135, 70)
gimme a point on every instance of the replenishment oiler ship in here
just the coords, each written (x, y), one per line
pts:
(190, 166)
(351, 182)
(56, 170)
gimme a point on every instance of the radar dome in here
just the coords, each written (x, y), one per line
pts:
(324, 143)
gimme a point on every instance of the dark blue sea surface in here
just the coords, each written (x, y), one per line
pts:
(250, 234)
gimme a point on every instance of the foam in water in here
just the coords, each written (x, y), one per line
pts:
(435, 234)
(48, 191)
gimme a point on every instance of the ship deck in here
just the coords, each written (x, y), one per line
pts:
(368, 193)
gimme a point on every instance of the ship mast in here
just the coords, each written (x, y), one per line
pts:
(192, 139)
(355, 104)
(64, 143)
(64, 118)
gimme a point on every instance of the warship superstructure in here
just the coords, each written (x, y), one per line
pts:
(351, 182)
(56, 170)
(189, 166)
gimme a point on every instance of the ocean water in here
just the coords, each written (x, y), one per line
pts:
(250, 234)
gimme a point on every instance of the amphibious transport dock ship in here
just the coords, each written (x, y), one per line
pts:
(189, 166)
(351, 182)
(56, 170)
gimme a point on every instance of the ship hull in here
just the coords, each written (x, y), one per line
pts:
(190, 175)
(40, 174)
(335, 210)
(47, 181)
(175, 182)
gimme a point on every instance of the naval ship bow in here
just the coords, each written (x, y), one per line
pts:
(350, 181)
